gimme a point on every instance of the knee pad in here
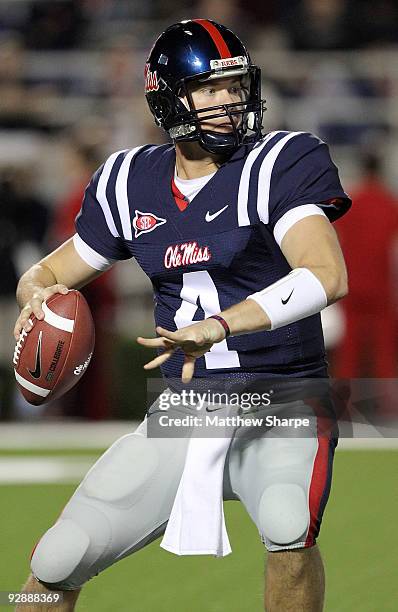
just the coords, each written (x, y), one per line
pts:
(283, 514)
(65, 556)
(59, 552)
(81, 543)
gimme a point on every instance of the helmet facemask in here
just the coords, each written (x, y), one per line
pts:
(243, 116)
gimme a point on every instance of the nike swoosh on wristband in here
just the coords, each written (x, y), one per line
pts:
(210, 216)
(36, 373)
(287, 299)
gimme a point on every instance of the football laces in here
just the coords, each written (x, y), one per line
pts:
(18, 346)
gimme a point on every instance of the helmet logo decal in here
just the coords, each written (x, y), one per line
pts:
(218, 64)
(145, 222)
(151, 79)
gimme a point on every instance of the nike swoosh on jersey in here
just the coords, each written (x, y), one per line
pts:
(36, 373)
(288, 298)
(214, 408)
(210, 216)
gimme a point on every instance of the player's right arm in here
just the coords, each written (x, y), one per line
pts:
(59, 271)
(96, 246)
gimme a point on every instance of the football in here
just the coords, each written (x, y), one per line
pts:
(51, 358)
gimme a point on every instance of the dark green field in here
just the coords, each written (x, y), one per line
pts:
(358, 541)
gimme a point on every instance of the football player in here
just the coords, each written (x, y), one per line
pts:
(233, 228)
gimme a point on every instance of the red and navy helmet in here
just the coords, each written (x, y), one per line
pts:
(201, 50)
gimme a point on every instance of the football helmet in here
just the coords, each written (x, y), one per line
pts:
(200, 50)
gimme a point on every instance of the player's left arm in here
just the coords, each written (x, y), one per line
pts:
(318, 278)
(312, 243)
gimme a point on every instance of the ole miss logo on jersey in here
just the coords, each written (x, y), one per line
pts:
(185, 254)
(145, 222)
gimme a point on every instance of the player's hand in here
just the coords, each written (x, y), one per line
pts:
(194, 340)
(34, 307)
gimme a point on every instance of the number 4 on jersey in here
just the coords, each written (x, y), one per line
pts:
(200, 286)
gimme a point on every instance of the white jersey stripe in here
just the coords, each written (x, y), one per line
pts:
(293, 216)
(91, 257)
(264, 178)
(122, 195)
(101, 192)
(30, 386)
(243, 195)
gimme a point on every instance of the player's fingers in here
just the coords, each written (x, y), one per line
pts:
(149, 341)
(23, 322)
(18, 328)
(58, 288)
(182, 336)
(155, 342)
(36, 308)
(155, 363)
(37, 299)
(25, 317)
(28, 325)
(188, 368)
(175, 336)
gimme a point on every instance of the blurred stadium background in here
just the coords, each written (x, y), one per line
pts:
(71, 92)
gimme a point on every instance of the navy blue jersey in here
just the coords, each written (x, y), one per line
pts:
(222, 247)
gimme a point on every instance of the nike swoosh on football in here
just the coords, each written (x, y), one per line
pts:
(210, 216)
(288, 298)
(36, 373)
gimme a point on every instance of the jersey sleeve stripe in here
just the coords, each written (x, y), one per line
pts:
(91, 257)
(243, 194)
(292, 217)
(122, 193)
(265, 174)
(101, 192)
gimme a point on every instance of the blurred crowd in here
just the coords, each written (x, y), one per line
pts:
(304, 24)
(71, 92)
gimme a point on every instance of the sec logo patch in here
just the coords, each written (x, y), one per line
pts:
(145, 222)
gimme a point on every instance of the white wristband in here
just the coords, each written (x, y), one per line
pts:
(296, 296)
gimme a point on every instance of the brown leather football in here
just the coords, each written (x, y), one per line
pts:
(51, 358)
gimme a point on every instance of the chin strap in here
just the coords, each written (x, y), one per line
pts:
(215, 142)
